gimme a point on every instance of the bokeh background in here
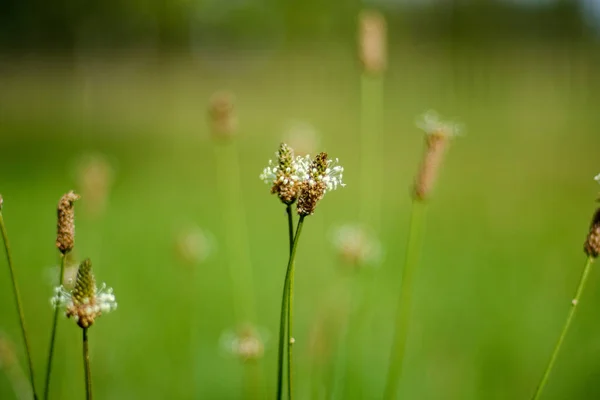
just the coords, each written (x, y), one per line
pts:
(121, 89)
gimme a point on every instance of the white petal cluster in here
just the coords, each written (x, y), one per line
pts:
(333, 175)
(431, 123)
(291, 175)
(103, 301)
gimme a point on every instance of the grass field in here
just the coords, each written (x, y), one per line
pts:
(503, 247)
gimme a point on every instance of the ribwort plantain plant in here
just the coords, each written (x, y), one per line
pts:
(437, 137)
(17, 297)
(84, 304)
(65, 241)
(591, 248)
(308, 181)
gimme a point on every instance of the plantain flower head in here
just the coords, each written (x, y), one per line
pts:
(322, 175)
(85, 302)
(286, 175)
(65, 231)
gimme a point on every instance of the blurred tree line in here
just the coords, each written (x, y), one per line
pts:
(164, 25)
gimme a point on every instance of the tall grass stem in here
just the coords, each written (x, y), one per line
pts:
(19, 304)
(401, 329)
(283, 316)
(563, 334)
(286, 308)
(86, 366)
(61, 278)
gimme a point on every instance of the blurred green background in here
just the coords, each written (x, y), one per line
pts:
(130, 82)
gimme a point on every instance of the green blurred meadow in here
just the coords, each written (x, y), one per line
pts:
(502, 253)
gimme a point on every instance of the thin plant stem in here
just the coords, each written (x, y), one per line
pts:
(285, 307)
(283, 316)
(19, 304)
(401, 329)
(86, 366)
(371, 139)
(53, 332)
(290, 308)
(563, 334)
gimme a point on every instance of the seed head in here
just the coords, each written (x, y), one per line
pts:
(95, 178)
(222, 117)
(437, 138)
(65, 236)
(372, 42)
(592, 243)
(323, 174)
(285, 176)
(85, 302)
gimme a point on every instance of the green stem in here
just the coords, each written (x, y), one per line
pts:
(404, 306)
(19, 305)
(285, 312)
(283, 316)
(53, 333)
(86, 366)
(290, 307)
(563, 334)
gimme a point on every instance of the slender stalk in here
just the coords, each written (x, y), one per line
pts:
(285, 308)
(86, 366)
(371, 139)
(563, 334)
(283, 316)
(53, 333)
(290, 308)
(404, 306)
(19, 304)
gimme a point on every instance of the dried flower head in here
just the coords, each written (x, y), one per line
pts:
(285, 176)
(65, 236)
(322, 175)
(592, 242)
(372, 38)
(194, 245)
(247, 343)
(85, 302)
(222, 116)
(438, 135)
(356, 245)
(95, 178)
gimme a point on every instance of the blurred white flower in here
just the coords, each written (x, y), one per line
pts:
(302, 137)
(431, 123)
(597, 178)
(194, 245)
(247, 343)
(356, 245)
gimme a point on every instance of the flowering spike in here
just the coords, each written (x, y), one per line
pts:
(286, 176)
(65, 235)
(85, 302)
(322, 175)
(437, 138)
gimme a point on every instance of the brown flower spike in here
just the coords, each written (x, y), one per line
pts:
(285, 176)
(222, 116)
(65, 236)
(437, 138)
(323, 175)
(592, 242)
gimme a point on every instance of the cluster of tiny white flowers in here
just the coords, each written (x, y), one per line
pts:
(292, 174)
(332, 177)
(104, 301)
(431, 123)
